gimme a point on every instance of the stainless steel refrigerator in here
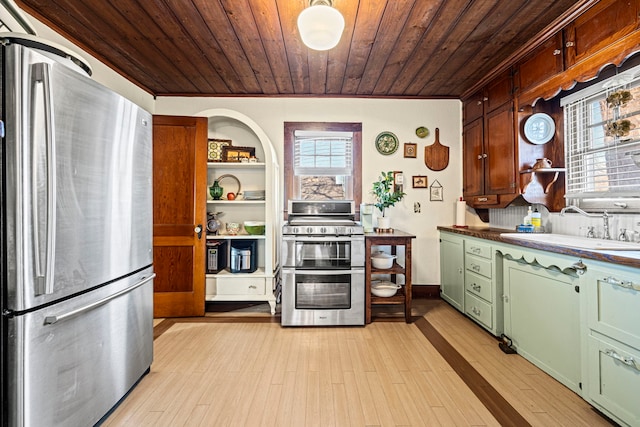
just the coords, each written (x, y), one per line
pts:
(76, 224)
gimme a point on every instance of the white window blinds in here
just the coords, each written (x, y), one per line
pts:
(325, 154)
(602, 141)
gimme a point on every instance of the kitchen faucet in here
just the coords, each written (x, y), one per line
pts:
(605, 218)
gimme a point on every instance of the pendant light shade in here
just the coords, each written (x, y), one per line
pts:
(320, 25)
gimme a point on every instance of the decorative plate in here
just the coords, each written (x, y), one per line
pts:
(387, 143)
(422, 132)
(539, 128)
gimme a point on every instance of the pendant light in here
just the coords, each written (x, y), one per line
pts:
(320, 25)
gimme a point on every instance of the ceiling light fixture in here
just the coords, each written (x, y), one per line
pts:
(320, 25)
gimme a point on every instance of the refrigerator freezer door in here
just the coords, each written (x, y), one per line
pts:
(72, 362)
(78, 179)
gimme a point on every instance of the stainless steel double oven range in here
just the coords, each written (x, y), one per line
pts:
(322, 265)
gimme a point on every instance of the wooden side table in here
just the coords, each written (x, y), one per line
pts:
(403, 297)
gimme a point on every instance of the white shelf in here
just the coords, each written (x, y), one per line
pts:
(242, 236)
(236, 202)
(235, 165)
(226, 273)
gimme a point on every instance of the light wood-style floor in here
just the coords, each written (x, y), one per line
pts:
(236, 373)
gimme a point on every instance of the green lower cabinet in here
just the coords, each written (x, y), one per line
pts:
(613, 351)
(452, 269)
(542, 318)
(483, 284)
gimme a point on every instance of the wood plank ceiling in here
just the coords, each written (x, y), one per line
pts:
(390, 48)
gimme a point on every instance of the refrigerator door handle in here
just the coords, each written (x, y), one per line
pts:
(50, 320)
(44, 269)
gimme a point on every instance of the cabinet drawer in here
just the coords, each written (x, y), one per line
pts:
(235, 286)
(478, 310)
(479, 249)
(478, 285)
(478, 265)
(613, 302)
(488, 199)
(614, 379)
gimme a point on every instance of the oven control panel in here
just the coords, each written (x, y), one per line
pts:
(320, 230)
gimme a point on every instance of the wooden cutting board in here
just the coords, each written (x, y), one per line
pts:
(436, 156)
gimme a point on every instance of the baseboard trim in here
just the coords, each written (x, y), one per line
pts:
(425, 291)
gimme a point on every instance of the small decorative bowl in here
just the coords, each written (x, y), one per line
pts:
(233, 228)
(254, 227)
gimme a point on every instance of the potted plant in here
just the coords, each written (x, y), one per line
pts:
(385, 196)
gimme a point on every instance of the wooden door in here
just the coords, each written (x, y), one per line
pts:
(179, 209)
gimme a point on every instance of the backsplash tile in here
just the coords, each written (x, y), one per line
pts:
(571, 223)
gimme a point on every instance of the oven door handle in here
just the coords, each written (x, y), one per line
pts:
(315, 239)
(311, 272)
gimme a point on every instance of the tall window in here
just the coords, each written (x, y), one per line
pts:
(323, 161)
(602, 137)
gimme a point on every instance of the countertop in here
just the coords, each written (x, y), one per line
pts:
(628, 258)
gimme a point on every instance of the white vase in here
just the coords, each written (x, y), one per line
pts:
(384, 222)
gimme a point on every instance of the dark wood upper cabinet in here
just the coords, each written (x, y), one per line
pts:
(473, 107)
(543, 63)
(602, 25)
(499, 91)
(499, 147)
(472, 159)
(489, 164)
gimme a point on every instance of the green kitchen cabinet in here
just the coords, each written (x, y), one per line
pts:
(452, 269)
(613, 340)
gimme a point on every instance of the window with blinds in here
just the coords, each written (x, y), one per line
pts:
(323, 164)
(602, 144)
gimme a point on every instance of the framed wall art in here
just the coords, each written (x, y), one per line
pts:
(236, 154)
(419, 181)
(214, 149)
(410, 150)
(436, 193)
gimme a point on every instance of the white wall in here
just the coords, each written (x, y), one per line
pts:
(401, 117)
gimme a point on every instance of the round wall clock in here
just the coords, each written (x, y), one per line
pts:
(387, 143)
(539, 128)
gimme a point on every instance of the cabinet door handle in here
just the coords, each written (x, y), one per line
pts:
(622, 283)
(476, 287)
(475, 267)
(629, 361)
(476, 311)
(579, 267)
(479, 156)
(570, 44)
(482, 199)
(557, 52)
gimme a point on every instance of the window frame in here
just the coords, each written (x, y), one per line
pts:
(289, 147)
(575, 105)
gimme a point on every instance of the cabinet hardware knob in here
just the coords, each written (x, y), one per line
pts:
(557, 52)
(479, 156)
(570, 44)
(482, 199)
